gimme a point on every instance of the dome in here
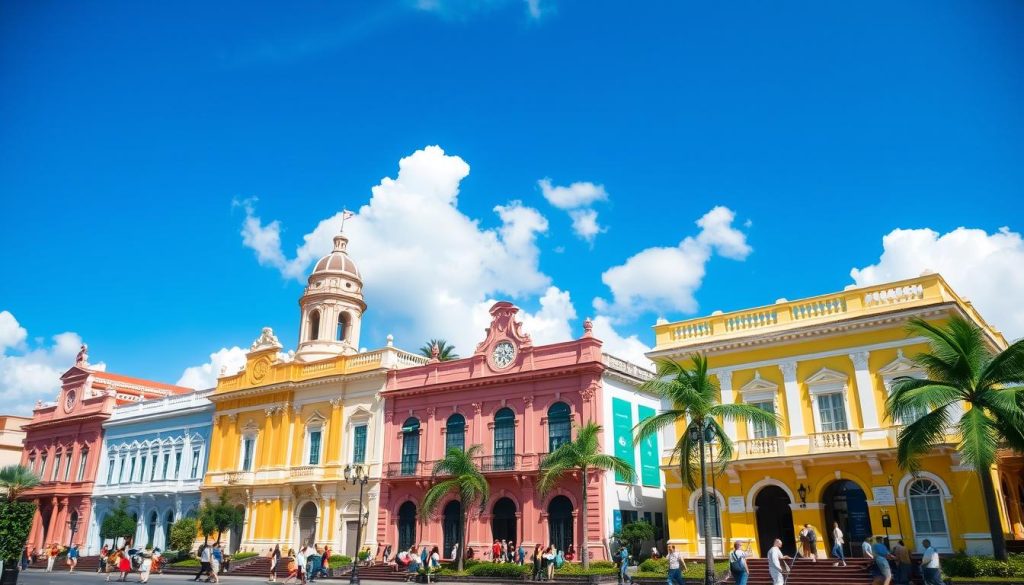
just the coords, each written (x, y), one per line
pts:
(338, 260)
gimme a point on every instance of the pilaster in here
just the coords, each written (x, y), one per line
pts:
(728, 397)
(866, 397)
(794, 412)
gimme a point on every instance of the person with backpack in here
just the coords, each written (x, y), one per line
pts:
(738, 565)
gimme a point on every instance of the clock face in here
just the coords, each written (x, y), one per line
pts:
(69, 400)
(503, 354)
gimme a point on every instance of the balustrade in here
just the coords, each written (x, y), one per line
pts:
(834, 441)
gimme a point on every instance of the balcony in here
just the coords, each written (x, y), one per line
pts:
(847, 440)
(764, 447)
(495, 463)
(927, 290)
(486, 463)
(238, 477)
(306, 472)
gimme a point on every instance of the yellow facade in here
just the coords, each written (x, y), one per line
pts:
(289, 498)
(824, 365)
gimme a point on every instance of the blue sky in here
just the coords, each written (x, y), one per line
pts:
(132, 133)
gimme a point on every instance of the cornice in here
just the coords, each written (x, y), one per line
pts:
(498, 380)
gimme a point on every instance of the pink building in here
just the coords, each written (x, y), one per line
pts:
(62, 445)
(519, 401)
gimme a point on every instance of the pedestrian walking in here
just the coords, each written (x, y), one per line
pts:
(837, 545)
(777, 568)
(51, 556)
(930, 567)
(275, 558)
(738, 564)
(676, 567)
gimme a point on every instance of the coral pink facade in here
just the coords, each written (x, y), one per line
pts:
(420, 403)
(63, 446)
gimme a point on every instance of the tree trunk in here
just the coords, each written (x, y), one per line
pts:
(462, 535)
(995, 525)
(584, 550)
(709, 561)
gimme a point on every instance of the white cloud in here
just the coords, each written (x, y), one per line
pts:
(551, 323)
(985, 268)
(12, 334)
(628, 348)
(578, 194)
(265, 240)
(665, 279)
(205, 375)
(584, 224)
(577, 200)
(28, 374)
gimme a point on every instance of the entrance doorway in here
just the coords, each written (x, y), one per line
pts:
(560, 522)
(846, 503)
(774, 520)
(406, 526)
(503, 522)
(307, 524)
(351, 546)
(452, 527)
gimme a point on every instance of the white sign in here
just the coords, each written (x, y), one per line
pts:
(883, 495)
(736, 505)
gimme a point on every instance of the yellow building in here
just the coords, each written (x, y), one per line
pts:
(287, 425)
(824, 365)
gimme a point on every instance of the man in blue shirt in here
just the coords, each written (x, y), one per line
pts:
(882, 556)
(624, 559)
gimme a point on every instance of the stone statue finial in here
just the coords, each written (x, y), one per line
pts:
(588, 327)
(435, 354)
(266, 340)
(391, 340)
(82, 359)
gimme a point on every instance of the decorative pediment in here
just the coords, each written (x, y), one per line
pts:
(316, 418)
(250, 426)
(826, 380)
(504, 327)
(759, 385)
(359, 415)
(901, 366)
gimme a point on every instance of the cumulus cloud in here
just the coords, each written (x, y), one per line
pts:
(577, 200)
(666, 278)
(628, 347)
(205, 375)
(983, 267)
(27, 373)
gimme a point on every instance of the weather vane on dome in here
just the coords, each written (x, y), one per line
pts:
(345, 214)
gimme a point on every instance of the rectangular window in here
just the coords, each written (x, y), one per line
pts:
(247, 454)
(629, 517)
(314, 447)
(167, 466)
(142, 469)
(195, 463)
(82, 461)
(120, 472)
(177, 464)
(650, 461)
(67, 468)
(659, 526)
(762, 430)
(131, 472)
(359, 444)
(832, 411)
(56, 467)
(42, 467)
(622, 426)
(152, 468)
(110, 472)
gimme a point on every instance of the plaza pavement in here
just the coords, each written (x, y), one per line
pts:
(38, 577)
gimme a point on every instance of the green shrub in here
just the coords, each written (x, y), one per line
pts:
(659, 566)
(241, 556)
(15, 523)
(186, 563)
(577, 569)
(500, 570)
(968, 566)
(340, 561)
(183, 534)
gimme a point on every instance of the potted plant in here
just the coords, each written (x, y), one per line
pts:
(15, 519)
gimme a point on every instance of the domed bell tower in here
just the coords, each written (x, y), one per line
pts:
(332, 307)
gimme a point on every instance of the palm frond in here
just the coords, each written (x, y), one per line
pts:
(1005, 369)
(920, 436)
(979, 440)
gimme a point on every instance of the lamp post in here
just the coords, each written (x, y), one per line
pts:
(357, 475)
(73, 526)
(896, 504)
(802, 492)
(697, 431)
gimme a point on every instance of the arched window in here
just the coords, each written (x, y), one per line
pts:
(341, 328)
(716, 521)
(455, 433)
(926, 507)
(410, 445)
(504, 439)
(314, 325)
(168, 521)
(559, 425)
(151, 529)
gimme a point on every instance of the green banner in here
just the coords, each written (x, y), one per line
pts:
(650, 474)
(622, 425)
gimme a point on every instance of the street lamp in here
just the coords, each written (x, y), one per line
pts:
(73, 526)
(802, 492)
(357, 475)
(698, 431)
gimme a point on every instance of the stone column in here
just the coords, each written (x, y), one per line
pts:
(60, 528)
(286, 506)
(866, 397)
(794, 405)
(728, 397)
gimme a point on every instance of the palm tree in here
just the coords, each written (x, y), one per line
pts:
(695, 403)
(463, 477)
(15, 479)
(582, 454)
(445, 351)
(962, 369)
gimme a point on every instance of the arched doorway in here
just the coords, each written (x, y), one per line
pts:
(774, 520)
(560, 522)
(151, 528)
(846, 503)
(928, 516)
(168, 521)
(307, 524)
(451, 526)
(503, 520)
(406, 526)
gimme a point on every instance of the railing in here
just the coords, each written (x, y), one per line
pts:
(509, 462)
(407, 469)
(857, 302)
(306, 472)
(763, 447)
(834, 441)
(486, 464)
(236, 477)
(168, 404)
